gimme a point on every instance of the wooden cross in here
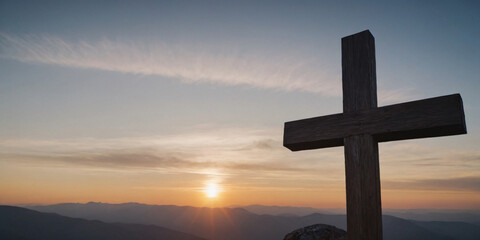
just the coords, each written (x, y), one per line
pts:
(362, 125)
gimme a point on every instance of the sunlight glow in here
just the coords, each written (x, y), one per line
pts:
(212, 190)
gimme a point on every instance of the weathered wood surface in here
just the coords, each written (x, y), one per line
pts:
(362, 174)
(359, 80)
(434, 117)
(362, 181)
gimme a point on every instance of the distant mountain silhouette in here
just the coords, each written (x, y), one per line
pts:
(447, 215)
(239, 224)
(289, 211)
(472, 217)
(24, 224)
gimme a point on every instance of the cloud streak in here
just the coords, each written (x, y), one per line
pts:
(471, 183)
(201, 64)
(284, 70)
(228, 150)
(148, 159)
(246, 156)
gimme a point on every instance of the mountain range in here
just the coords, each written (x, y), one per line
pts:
(444, 215)
(240, 224)
(23, 224)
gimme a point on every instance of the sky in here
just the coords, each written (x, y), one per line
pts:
(183, 102)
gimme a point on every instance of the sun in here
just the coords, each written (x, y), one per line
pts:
(211, 190)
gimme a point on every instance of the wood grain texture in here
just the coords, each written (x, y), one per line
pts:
(359, 79)
(434, 117)
(364, 207)
(362, 180)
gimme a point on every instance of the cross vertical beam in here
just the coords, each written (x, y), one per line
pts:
(364, 208)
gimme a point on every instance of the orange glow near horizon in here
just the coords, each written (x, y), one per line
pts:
(36, 185)
(317, 198)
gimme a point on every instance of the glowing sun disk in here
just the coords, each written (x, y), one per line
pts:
(211, 190)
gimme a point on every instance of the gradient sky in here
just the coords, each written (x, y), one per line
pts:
(154, 101)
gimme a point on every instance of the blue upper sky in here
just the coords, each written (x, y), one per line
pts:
(423, 50)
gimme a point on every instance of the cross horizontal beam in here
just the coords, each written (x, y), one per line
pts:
(434, 117)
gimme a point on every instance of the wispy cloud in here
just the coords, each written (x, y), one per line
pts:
(249, 157)
(251, 153)
(471, 183)
(139, 159)
(227, 65)
(222, 65)
(227, 150)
